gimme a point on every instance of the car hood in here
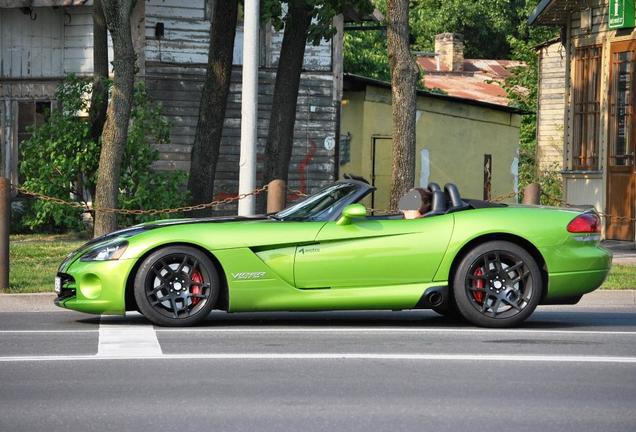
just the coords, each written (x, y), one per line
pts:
(141, 228)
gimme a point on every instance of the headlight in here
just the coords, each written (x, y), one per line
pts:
(106, 252)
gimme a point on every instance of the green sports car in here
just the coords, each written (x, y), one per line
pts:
(491, 264)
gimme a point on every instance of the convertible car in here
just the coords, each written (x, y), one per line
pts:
(488, 263)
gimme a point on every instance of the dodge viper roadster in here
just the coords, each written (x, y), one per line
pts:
(491, 264)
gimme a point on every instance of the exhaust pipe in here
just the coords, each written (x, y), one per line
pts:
(435, 298)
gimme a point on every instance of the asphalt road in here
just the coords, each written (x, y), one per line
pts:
(567, 369)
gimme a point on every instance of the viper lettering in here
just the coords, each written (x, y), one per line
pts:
(248, 275)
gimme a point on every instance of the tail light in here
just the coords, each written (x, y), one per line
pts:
(588, 222)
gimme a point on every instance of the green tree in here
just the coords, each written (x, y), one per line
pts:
(117, 15)
(365, 53)
(304, 21)
(213, 102)
(60, 160)
(522, 88)
(404, 77)
(485, 24)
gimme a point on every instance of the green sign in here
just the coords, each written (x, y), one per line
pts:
(621, 14)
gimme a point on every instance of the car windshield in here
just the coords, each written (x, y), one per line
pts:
(318, 206)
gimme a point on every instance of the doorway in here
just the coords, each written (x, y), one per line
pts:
(382, 172)
(621, 172)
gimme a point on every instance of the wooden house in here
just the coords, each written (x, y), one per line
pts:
(43, 41)
(587, 103)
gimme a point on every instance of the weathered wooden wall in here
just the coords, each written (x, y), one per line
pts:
(178, 89)
(56, 43)
(60, 41)
(31, 48)
(175, 68)
(551, 113)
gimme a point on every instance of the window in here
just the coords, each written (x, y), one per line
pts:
(621, 107)
(30, 114)
(587, 95)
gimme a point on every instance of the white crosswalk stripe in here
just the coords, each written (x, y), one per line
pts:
(119, 339)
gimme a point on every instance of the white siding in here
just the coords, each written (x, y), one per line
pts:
(317, 58)
(551, 115)
(78, 42)
(58, 42)
(31, 48)
(186, 31)
(186, 37)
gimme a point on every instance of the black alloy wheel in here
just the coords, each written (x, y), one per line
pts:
(497, 284)
(176, 286)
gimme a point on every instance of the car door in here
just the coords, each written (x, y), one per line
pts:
(373, 252)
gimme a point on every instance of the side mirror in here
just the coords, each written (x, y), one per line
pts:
(351, 211)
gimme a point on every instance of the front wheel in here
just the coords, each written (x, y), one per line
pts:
(497, 284)
(176, 286)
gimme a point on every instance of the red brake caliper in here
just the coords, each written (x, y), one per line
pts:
(480, 284)
(195, 288)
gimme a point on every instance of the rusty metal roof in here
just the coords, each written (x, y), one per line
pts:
(480, 79)
(358, 82)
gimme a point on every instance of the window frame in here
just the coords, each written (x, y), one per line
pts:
(586, 107)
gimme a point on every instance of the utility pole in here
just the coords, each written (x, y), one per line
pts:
(249, 107)
(5, 216)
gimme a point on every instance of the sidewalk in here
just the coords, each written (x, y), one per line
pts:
(624, 251)
(43, 302)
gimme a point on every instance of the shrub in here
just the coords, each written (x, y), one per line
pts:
(61, 160)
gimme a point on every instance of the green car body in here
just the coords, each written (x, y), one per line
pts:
(339, 264)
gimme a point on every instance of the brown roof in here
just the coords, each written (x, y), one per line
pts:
(480, 80)
(354, 82)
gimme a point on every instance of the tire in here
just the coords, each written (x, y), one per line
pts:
(176, 286)
(497, 284)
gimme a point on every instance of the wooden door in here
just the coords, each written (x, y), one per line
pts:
(621, 173)
(382, 174)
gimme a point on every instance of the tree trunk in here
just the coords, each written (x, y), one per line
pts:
(207, 138)
(280, 137)
(404, 75)
(117, 15)
(99, 97)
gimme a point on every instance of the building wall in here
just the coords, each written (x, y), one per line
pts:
(590, 187)
(56, 43)
(551, 112)
(312, 166)
(175, 69)
(456, 136)
(37, 54)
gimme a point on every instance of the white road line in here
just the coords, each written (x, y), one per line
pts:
(389, 330)
(46, 331)
(344, 330)
(335, 356)
(116, 339)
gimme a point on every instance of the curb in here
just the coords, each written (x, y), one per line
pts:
(34, 302)
(609, 298)
(43, 302)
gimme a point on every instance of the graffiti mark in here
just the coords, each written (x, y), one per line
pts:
(302, 171)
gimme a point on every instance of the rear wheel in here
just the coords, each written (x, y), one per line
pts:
(497, 284)
(176, 286)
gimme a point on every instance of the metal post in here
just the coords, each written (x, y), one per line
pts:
(249, 107)
(276, 194)
(5, 216)
(532, 194)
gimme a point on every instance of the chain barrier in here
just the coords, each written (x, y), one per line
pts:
(151, 212)
(216, 203)
(604, 215)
